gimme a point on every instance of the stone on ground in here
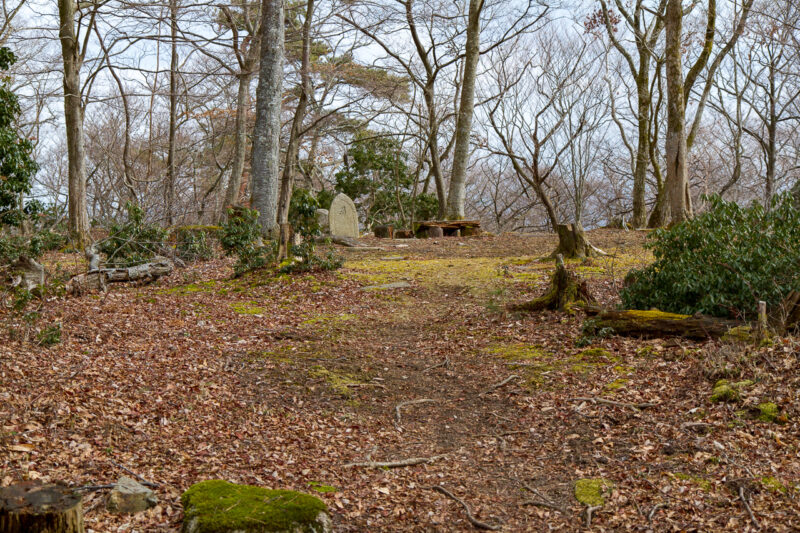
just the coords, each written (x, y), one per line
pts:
(217, 506)
(129, 496)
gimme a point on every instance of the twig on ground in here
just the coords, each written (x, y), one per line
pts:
(653, 511)
(445, 363)
(142, 480)
(91, 488)
(747, 506)
(589, 511)
(594, 399)
(397, 464)
(472, 520)
(405, 404)
(542, 502)
(498, 385)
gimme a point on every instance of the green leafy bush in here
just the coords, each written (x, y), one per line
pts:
(303, 213)
(241, 237)
(17, 166)
(722, 262)
(132, 242)
(193, 244)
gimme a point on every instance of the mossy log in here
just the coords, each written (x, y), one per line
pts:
(656, 323)
(566, 291)
(33, 506)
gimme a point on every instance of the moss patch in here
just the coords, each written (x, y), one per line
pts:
(772, 484)
(591, 492)
(248, 308)
(725, 391)
(322, 488)
(697, 480)
(215, 506)
(337, 381)
(767, 412)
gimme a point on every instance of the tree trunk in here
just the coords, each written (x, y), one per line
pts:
(73, 120)
(240, 149)
(433, 147)
(31, 506)
(660, 324)
(292, 149)
(676, 115)
(267, 132)
(169, 197)
(466, 108)
(642, 148)
(572, 241)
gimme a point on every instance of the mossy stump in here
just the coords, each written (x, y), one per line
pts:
(217, 506)
(32, 506)
(566, 290)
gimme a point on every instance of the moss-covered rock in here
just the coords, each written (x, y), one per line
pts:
(774, 485)
(217, 506)
(767, 412)
(591, 492)
(725, 391)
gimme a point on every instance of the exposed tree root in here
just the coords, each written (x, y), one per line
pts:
(636, 406)
(405, 404)
(472, 520)
(397, 464)
(498, 385)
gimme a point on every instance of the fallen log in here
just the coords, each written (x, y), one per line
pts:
(27, 273)
(656, 323)
(33, 506)
(100, 278)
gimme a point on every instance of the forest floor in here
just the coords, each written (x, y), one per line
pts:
(281, 381)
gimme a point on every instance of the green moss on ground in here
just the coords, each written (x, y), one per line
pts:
(322, 488)
(767, 412)
(725, 391)
(248, 308)
(774, 485)
(701, 482)
(591, 492)
(218, 506)
(339, 382)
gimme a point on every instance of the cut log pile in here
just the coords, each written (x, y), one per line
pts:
(100, 278)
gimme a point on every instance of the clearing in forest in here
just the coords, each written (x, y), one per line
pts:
(287, 381)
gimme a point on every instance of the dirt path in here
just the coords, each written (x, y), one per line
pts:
(282, 381)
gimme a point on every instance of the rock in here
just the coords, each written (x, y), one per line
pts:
(394, 258)
(343, 217)
(129, 497)
(322, 219)
(387, 286)
(591, 492)
(217, 506)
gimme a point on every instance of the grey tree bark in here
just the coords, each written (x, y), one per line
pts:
(675, 145)
(266, 134)
(466, 108)
(73, 118)
(169, 196)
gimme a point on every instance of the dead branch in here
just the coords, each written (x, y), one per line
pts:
(472, 520)
(589, 511)
(405, 404)
(497, 386)
(747, 506)
(653, 511)
(142, 480)
(635, 406)
(397, 464)
(543, 502)
(445, 364)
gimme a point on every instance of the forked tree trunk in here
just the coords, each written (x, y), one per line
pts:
(32, 506)
(572, 242)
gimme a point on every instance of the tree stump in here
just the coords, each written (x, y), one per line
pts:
(33, 507)
(566, 290)
(384, 231)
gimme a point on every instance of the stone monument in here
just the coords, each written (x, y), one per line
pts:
(343, 218)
